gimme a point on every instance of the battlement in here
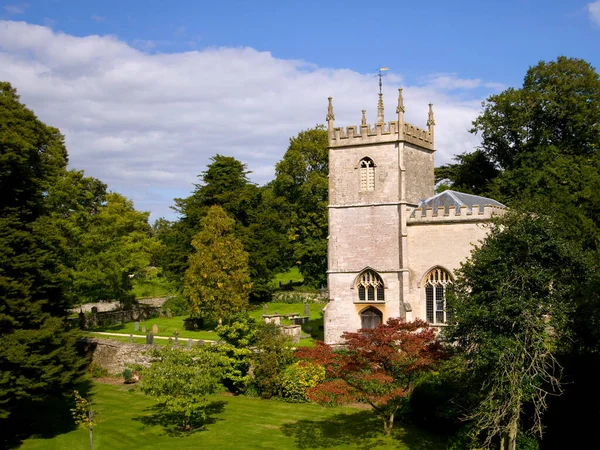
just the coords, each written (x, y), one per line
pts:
(393, 131)
(390, 132)
(443, 214)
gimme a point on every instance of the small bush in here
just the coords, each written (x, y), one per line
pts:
(97, 371)
(299, 377)
(177, 305)
(127, 375)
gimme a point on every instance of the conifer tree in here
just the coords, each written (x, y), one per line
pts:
(37, 355)
(217, 280)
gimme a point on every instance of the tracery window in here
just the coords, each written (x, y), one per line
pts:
(437, 284)
(370, 287)
(370, 318)
(367, 174)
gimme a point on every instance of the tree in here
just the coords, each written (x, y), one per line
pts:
(273, 354)
(238, 342)
(38, 358)
(181, 381)
(84, 415)
(510, 311)
(117, 243)
(217, 280)
(540, 147)
(380, 366)
(471, 173)
(301, 177)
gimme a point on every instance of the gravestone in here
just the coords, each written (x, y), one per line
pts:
(176, 340)
(143, 329)
(265, 309)
(189, 343)
(150, 338)
(170, 341)
(136, 326)
(155, 329)
(131, 338)
(306, 310)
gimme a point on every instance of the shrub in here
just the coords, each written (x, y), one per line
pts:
(299, 377)
(97, 371)
(238, 338)
(273, 354)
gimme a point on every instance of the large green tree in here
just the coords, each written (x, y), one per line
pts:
(260, 222)
(37, 354)
(217, 280)
(511, 307)
(540, 147)
(301, 178)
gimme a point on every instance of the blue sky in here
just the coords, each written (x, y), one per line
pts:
(146, 91)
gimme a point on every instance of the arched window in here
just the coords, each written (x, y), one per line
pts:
(367, 174)
(370, 287)
(437, 283)
(370, 318)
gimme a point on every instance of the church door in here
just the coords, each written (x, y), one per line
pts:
(370, 318)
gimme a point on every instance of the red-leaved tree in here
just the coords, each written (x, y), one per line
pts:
(378, 366)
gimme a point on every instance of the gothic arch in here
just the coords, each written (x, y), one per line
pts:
(369, 286)
(370, 317)
(428, 271)
(436, 282)
(366, 167)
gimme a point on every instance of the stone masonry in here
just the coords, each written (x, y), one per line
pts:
(378, 178)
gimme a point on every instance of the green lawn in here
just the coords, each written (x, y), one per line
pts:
(168, 325)
(285, 277)
(152, 287)
(128, 421)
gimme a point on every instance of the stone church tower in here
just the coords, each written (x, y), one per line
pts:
(389, 253)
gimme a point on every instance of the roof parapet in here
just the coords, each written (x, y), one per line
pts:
(419, 216)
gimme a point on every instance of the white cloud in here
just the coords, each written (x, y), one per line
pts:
(594, 11)
(15, 9)
(147, 124)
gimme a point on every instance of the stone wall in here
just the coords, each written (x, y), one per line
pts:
(115, 356)
(106, 318)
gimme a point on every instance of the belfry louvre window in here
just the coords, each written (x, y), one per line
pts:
(437, 284)
(367, 174)
(370, 287)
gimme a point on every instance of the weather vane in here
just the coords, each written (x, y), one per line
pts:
(381, 75)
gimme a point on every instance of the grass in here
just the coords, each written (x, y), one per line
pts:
(129, 420)
(168, 325)
(285, 277)
(152, 287)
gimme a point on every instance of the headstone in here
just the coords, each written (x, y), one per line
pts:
(131, 338)
(189, 343)
(170, 341)
(136, 326)
(266, 308)
(176, 340)
(150, 338)
(306, 310)
(143, 329)
(155, 329)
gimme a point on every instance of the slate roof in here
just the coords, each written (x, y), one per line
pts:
(454, 199)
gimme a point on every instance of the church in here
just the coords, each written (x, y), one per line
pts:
(393, 245)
